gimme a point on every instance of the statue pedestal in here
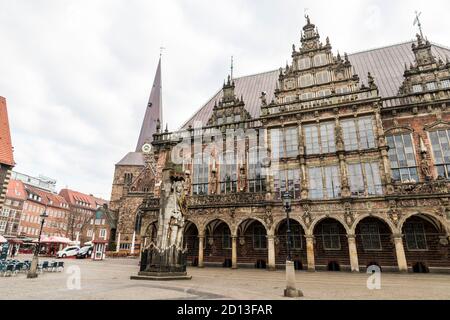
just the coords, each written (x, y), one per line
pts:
(161, 276)
(163, 265)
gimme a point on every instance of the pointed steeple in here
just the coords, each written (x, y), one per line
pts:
(153, 112)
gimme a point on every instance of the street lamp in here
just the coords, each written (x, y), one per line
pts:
(287, 200)
(291, 290)
(32, 273)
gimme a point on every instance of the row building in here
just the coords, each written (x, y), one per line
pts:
(71, 214)
(360, 141)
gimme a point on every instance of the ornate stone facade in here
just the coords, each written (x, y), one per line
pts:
(368, 173)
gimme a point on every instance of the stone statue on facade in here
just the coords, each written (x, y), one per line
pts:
(242, 179)
(214, 181)
(263, 99)
(339, 136)
(187, 182)
(425, 168)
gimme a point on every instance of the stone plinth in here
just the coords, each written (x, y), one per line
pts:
(291, 290)
(161, 276)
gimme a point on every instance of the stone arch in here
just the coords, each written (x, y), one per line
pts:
(310, 230)
(331, 248)
(425, 242)
(218, 243)
(374, 242)
(361, 217)
(191, 242)
(208, 222)
(298, 243)
(439, 222)
(238, 224)
(252, 244)
(279, 220)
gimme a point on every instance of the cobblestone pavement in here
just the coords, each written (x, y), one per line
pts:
(110, 279)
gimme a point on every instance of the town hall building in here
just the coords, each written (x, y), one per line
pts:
(360, 141)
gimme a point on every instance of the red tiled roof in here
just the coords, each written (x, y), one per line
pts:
(72, 197)
(6, 152)
(16, 190)
(47, 198)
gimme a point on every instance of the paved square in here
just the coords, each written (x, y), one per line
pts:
(110, 279)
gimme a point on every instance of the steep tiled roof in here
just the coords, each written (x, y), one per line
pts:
(6, 152)
(73, 197)
(16, 190)
(47, 198)
(132, 159)
(386, 65)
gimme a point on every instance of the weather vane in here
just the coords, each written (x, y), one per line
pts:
(306, 13)
(417, 21)
(161, 51)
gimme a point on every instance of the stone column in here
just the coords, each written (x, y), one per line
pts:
(354, 264)
(234, 252)
(133, 242)
(201, 241)
(400, 251)
(310, 253)
(118, 243)
(271, 252)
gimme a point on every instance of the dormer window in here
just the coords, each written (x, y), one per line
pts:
(431, 86)
(320, 60)
(417, 88)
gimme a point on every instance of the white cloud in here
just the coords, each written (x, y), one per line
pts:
(77, 73)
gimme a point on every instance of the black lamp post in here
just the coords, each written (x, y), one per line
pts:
(291, 290)
(32, 273)
(287, 200)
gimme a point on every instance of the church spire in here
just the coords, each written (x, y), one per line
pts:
(153, 112)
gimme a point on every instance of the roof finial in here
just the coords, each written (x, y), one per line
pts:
(417, 21)
(231, 67)
(161, 51)
(308, 21)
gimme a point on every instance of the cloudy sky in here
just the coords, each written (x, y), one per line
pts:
(77, 73)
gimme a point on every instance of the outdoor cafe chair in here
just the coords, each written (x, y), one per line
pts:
(60, 266)
(53, 267)
(45, 265)
(17, 268)
(9, 270)
(2, 269)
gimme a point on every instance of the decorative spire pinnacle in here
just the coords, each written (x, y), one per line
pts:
(231, 68)
(153, 112)
(419, 24)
